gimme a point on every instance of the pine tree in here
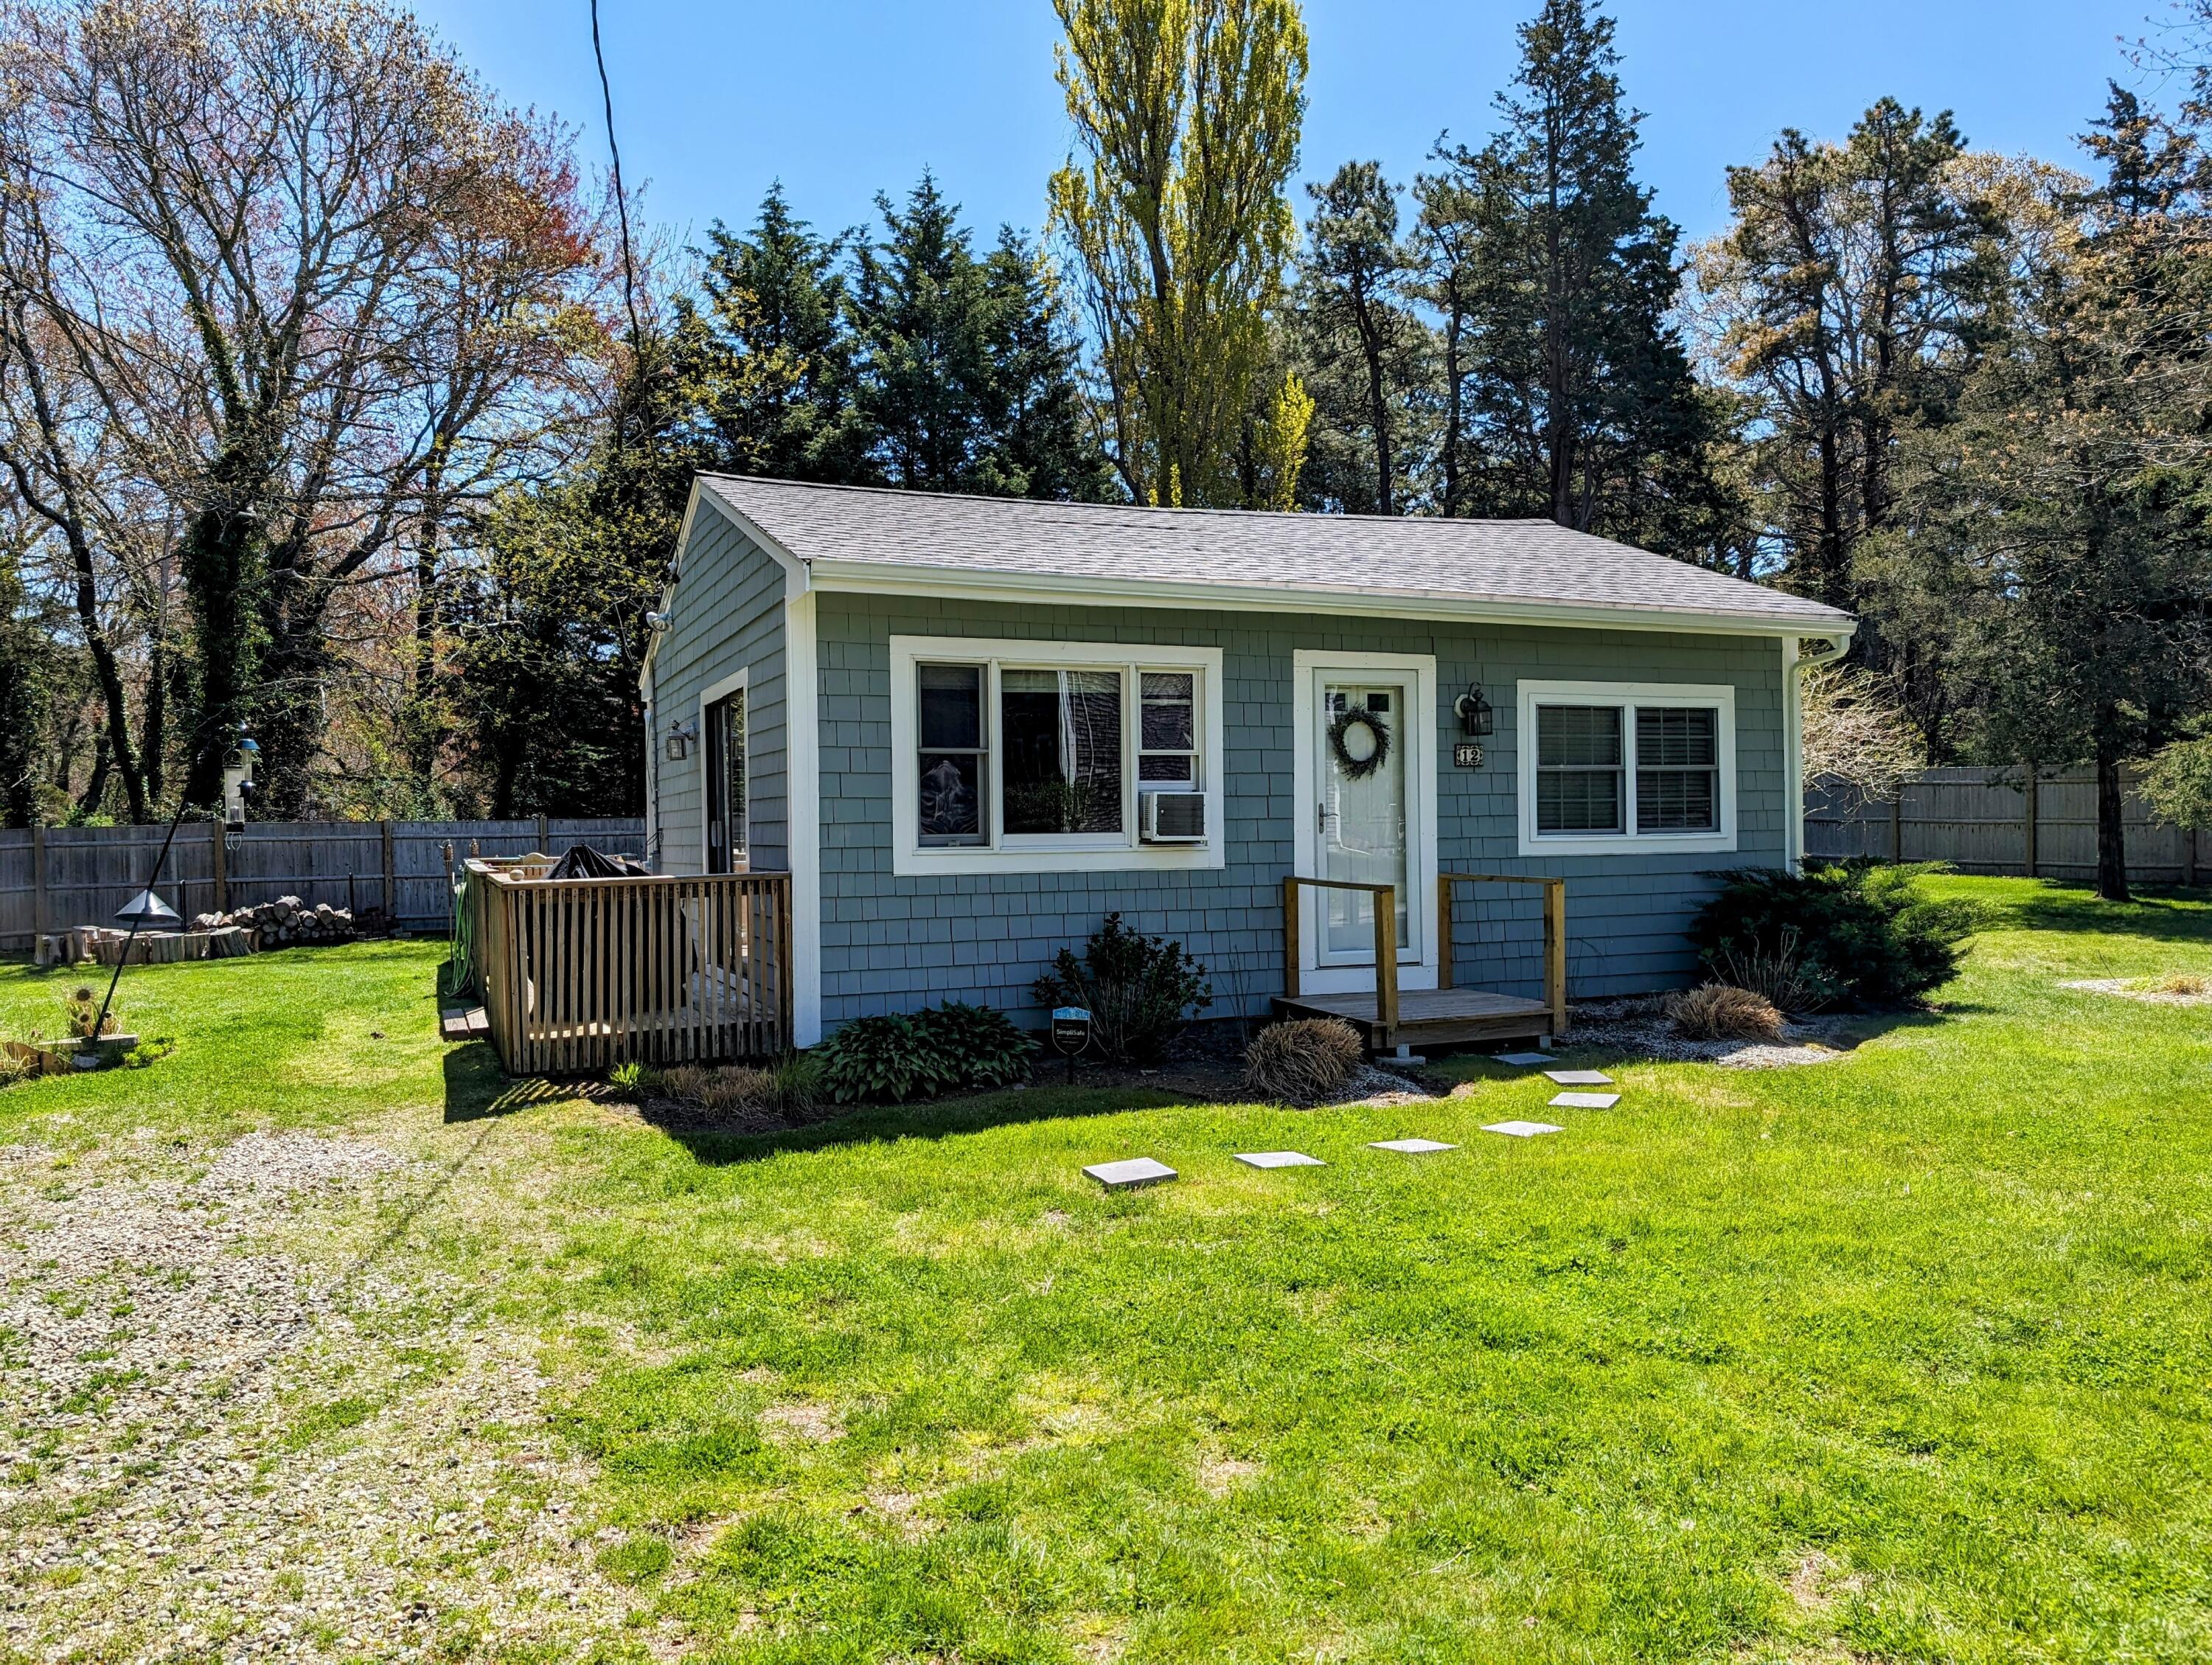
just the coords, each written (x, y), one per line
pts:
(966, 377)
(764, 358)
(1363, 346)
(1572, 398)
(2058, 518)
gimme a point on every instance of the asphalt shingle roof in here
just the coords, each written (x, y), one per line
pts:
(1531, 563)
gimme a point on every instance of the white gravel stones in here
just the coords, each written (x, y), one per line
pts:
(1584, 1100)
(224, 1434)
(1522, 1129)
(1131, 1174)
(1280, 1159)
(1580, 1077)
(1412, 1147)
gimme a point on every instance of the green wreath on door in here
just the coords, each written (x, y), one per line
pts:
(1340, 742)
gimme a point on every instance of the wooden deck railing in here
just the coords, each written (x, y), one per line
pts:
(1386, 940)
(578, 975)
(1555, 935)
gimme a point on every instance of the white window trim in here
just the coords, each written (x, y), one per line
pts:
(1719, 697)
(707, 695)
(1036, 852)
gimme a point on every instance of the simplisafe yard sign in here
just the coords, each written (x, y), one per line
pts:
(1071, 1033)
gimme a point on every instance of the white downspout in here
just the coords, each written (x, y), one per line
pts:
(1795, 661)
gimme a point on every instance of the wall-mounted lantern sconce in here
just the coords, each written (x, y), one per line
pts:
(1475, 718)
(680, 738)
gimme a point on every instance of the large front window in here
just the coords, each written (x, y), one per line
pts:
(1618, 765)
(1041, 757)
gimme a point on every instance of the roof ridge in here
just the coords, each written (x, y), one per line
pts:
(1153, 508)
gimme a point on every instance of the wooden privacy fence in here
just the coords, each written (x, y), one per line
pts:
(53, 878)
(1991, 821)
(578, 975)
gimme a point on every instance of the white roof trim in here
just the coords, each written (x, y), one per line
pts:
(882, 578)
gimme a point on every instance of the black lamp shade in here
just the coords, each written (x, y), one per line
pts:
(1475, 717)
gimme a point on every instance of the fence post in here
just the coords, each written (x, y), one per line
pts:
(2189, 856)
(544, 838)
(2033, 793)
(38, 883)
(219, 866)
(1897, 825)
(391, 886)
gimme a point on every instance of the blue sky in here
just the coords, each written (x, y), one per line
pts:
(842, 97)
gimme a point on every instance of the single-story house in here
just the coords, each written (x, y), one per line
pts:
(969, 728)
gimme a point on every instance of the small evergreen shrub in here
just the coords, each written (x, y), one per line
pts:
(1858, 930)
(906, 1055)
(1718, 1013)
(1305, 1062)
(1140, 991)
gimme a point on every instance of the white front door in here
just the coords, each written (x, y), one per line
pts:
(1367, 786)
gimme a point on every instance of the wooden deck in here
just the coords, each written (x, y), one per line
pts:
(1432, 1017)
(1444, 1015)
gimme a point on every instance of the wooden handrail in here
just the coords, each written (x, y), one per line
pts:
(1555, 935)
(1386, 945)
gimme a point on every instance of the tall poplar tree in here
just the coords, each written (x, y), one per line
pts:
(1187, 115)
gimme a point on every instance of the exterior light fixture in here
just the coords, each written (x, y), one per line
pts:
(680, 738)
(1475, 717)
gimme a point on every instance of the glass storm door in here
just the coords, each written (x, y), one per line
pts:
(1367, 819)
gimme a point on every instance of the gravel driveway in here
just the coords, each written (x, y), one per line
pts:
(235, 1423)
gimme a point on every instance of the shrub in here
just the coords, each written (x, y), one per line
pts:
(1857, 929)
(1781, 974)
(1302, 1062)
(149, 1051)
(903, 1056)
(1137, 988)
(1718, 1013)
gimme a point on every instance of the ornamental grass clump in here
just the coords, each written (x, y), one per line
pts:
(1307, 1061)
(1718, 1013)
(1141, 992)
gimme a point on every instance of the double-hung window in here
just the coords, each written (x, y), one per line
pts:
(1038, 756)
(1614, 765)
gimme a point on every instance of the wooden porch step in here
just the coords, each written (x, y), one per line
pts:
(458, 1023)
(1440, 1016)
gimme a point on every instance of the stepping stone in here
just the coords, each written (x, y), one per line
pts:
(1522, 1129)
(1580, 1077)
(1280, 1159)
(1584, 1100)
(1129, 1175)
(1526, 1059)
(1410, 1147)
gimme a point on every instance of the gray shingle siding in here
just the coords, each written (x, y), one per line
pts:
(893, 943)
(725, 616)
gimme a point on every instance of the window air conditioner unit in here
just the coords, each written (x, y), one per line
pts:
(1172, 817)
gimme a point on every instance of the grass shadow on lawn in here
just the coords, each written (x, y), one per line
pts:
(2166, 914)
(476, 1086)
(944, 1118)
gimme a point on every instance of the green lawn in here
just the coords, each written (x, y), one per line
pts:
(1904, 1358)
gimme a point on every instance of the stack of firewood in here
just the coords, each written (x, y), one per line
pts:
(285, 921)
